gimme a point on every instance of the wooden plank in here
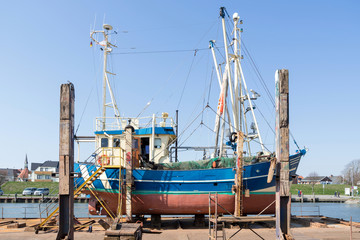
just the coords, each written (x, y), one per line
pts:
(16, 225)
(6, 223)
(84, 225)
(122, 232)
(245, 219)
(104, 224)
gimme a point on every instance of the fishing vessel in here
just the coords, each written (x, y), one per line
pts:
(163, 184)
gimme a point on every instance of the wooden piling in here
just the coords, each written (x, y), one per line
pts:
(129, 168)
(66, 162)
(239, 175)
(283, 198)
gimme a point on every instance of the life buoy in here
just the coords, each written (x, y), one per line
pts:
(103, 160)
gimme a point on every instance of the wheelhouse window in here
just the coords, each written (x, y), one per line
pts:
(157, 143)
(104, 142)
(116, 142)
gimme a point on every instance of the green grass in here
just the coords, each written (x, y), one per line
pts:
(329, 189)
(18, 187)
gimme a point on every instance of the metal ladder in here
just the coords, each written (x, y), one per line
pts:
(77, 192)
(213, 220)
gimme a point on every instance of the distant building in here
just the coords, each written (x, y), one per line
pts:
(297, 179)
(24, 175)
(316, 180)
(336, 179)
(41, 172)
(8, 174)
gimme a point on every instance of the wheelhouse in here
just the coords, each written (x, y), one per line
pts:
(151, 140)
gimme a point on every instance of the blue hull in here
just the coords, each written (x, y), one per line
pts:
(179, 183)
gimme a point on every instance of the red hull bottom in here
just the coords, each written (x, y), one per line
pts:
(189, 204)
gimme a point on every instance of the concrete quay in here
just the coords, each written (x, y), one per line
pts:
(321, 198)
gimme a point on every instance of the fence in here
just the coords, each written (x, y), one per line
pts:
(34, 210)
(305, 210)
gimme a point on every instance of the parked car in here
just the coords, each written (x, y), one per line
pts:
(29, 191)
(1, 192)
(41, 191)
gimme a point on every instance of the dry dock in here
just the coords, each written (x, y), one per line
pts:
(183, 228)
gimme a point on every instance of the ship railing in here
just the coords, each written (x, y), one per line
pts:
(110, 156)
(119, 123)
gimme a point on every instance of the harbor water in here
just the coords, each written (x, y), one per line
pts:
(335, 210)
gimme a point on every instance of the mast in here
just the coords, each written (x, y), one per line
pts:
(238, 89)
(106, 47)
(228, 80)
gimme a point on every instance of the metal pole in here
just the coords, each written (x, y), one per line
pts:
(283, 198)
(104, 80)
(351, 228)
(66, 162)
(152, 142)
(209, 215)
(40, 213)
(227, 60)
(177, 135)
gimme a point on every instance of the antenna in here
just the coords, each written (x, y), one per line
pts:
(106, 47)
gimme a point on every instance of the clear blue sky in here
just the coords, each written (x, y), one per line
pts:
(46, 43)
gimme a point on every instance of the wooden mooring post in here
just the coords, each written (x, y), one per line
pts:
(129, 168)
(66, 162)
(283, 198)
(239, 175)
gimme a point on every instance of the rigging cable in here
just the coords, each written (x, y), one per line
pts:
(264, 84)
(190, 135)
(164, 51)
(211, 79)
(82, 114)
(256, 69)
(264, 118)
(173, 141)
(187, 78)
(204, 94)
(261, 79)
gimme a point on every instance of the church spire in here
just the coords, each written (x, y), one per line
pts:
(26, 162)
